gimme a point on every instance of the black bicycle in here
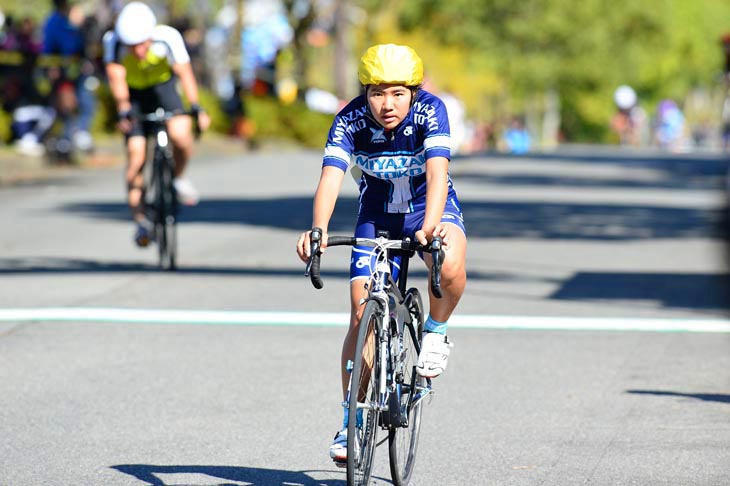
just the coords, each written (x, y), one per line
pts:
(385, 392)
(160, 197)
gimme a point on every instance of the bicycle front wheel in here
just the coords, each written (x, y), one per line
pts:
(364, 412)
(166, 224)
(403, 441)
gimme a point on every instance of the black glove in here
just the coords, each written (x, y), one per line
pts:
(124, 115)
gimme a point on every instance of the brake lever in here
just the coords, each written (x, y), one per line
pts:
(312, 267)
(437, 255)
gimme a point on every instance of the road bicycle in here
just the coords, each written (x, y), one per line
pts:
(385, 392)
(160, 197)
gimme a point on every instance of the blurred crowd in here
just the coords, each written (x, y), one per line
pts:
(667, 129)
(700, 121)
(49, 75)
(51, 71)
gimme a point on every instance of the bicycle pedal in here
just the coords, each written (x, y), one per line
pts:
(341, 464)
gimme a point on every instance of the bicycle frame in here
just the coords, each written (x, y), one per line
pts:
(162, 174)
(390, 296)
(383, 289)
(164, 204)
(384, 389)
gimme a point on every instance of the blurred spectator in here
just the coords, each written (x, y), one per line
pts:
(242, 127)
(194, 43)
(516, 138)
(322, 101)
(725, 43)
(31, 123)
(725, 129)
(483, 138)
(31, 117)
(266, 32)
(630, 120)
(21, 38)
(456, 112)
(72, 75)
(700, 112)
(669, 129)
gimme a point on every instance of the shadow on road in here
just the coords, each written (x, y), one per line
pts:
(707, 397)
(676, 290)
(536, 220)
(487, 218)
(709, 292)
(184, 475)
(55, 265)
(659, 171)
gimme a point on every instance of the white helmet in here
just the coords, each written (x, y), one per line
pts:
(624, 97)
(135, 23)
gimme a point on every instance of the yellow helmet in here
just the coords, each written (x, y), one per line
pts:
(390, 64)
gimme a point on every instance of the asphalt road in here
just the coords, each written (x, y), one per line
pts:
(591, 343)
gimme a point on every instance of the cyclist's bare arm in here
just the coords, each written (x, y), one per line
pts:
(189, 85)
(436, 192)
(325, 197)
(117, 76)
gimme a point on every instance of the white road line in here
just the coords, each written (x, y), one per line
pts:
(242, 318)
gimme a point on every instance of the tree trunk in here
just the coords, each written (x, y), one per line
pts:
(342, 75)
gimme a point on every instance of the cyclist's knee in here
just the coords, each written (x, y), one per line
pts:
(179, 130)
(357, 294)
(136, 148)
(453, 274)
(356, 310)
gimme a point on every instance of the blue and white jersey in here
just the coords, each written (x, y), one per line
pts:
(393, 163)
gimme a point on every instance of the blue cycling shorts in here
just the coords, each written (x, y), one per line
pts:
(398, 225)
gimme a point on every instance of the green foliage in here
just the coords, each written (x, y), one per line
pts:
(502, 56)
(5, 122)
(220, 123)
(35, 9)
(584, 50)
(274, 120)
(105, 118)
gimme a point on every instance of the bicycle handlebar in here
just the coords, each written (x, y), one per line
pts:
(407, 245)
(161, 115)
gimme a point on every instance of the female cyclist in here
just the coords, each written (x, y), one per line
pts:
(395, 138)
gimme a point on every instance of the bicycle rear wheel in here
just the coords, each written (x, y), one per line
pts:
(403, 441)
(166, 221)
(364, 386)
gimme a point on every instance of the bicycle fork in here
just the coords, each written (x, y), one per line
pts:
(384, 374)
